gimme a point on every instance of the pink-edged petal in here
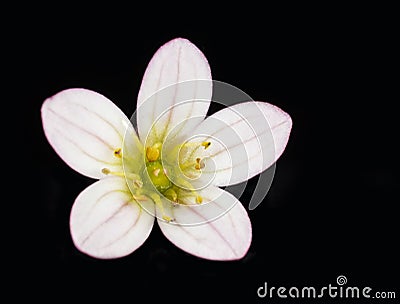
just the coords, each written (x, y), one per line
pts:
(175, 92)
(217, 229)
(85, 128)
(106, 222)
(246, 139)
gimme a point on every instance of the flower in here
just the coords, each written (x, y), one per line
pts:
(172, 168)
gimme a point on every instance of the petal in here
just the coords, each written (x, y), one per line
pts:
(106, 222)
(246, 139)
(217, 229)
(175, 92)
(85, 128)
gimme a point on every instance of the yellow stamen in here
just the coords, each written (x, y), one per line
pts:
(152, 153)
(118, 152)
(206, 144)
(105, 171)
(157, 200)
(189, 191)
(199, 199)
(128, 175)
(171, 195)
(167, 218)
(199, 165)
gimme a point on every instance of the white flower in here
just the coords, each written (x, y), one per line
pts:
(173, 168)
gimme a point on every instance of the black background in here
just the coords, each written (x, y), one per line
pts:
(332, 208)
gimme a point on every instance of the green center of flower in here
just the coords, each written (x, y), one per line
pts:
(159, 177)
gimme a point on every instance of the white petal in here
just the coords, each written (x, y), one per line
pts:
(175, 92)
(246, 139)
(106, 222)
(85, 128)
(217, 229)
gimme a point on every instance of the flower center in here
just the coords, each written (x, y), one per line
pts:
(160, 177)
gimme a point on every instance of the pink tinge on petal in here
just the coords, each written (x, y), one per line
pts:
(106, 222)
(215, 230)
(246, 139)
(175, 92)
(85, 128)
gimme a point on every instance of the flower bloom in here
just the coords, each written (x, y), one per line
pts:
(170, 169)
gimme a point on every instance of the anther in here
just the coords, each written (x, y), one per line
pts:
(118, 152)
(199, 199)
(199, 164)
(206, 144)
(152, 154)
(140, 198)
(167, 218)
(128, 175)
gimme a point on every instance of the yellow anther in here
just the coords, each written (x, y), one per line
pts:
(105, 171)
(199, 164)
(167, 218)
(118, 152)
(199, 199)
(152, 153)
(157, 200)
(206, 144)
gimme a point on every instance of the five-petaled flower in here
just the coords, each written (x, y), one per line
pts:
(172, 167)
